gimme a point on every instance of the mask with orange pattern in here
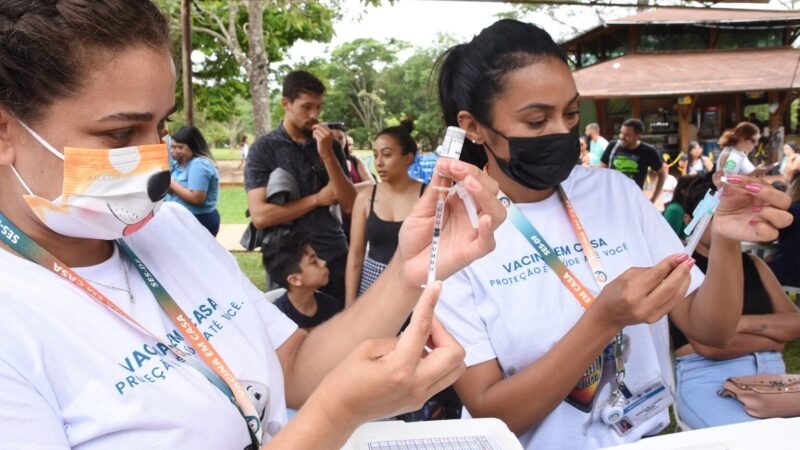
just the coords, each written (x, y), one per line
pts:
(107, 193)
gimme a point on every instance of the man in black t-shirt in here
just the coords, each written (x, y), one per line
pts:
(635, 158)
(305, 149)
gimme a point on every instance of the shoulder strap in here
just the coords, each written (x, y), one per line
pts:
(372, 199)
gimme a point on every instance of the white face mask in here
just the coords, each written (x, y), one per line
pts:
(107, 193)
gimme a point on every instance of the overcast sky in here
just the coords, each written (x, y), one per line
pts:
(418, 22)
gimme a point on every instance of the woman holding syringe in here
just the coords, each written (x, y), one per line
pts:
(565, 320)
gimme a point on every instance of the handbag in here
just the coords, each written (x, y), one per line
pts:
(765, 396)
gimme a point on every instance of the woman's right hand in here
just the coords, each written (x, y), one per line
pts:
(386, 377)
(644, 295)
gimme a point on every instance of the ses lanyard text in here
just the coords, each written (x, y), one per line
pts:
(570, 281)
(220, 374)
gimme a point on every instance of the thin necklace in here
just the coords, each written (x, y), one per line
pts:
(127, 289)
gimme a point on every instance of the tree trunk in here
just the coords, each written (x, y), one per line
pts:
(258, 70)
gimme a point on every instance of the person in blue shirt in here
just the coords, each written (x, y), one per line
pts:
(195, 179)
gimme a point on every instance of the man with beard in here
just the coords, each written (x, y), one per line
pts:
(635, 158)
(312, 161)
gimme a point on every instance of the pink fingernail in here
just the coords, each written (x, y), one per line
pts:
(459, 166)
(754, 222)
(733, 179)
(691, 262)
(754, 188)
(681, 258)
(756, 208)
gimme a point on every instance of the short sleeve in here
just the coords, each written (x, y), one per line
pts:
(258, 168)
(655, 161)
(200, 175)
(747, 167)
(458, 313)
(27, 422)
(278, 326)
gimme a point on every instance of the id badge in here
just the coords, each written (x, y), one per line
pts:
(642, 406)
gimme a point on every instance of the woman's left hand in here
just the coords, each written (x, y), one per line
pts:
(750, 209)
(172, 184)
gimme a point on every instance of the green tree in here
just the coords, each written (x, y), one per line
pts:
(240, 38)
(411, 92)
(356, 69)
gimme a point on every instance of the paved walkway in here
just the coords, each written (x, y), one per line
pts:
(229, 235)
(230, 173)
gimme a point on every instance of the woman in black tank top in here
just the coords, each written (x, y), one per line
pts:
(769, 320)
(378, 213)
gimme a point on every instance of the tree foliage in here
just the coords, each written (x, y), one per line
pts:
(239, 39)
(372, 85)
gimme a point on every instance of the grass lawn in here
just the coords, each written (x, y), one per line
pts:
(250, 263)
(231, 205)
(226, 154)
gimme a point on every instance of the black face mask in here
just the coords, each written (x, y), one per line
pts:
(542, 162)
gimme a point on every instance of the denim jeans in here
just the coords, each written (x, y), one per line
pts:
(699, 379)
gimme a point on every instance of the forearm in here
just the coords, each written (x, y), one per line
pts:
(529, 396)
(782, 327)
(352, 275)
(380, 312)
(265, 215)
(342, 186)
(716, 306)
(312, 428)
(741, 344)
(366, 175)
(189, 196)
(662, 177)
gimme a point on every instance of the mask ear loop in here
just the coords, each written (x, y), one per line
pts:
(22, 182)
(41, 140)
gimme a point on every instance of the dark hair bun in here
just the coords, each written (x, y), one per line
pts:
(407, 125)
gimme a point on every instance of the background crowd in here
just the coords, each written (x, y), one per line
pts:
(344, 226)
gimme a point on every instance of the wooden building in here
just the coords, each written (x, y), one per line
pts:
(689, 73)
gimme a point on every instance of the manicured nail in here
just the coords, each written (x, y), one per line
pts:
(754, 188)
(458, 166)
(733, 179)
(754, 222)
(691, 262)
(681, 258)
(756, 208)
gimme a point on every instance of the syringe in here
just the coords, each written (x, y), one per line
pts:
(701, 216)
(450, 148)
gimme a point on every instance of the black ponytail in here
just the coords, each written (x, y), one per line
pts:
(471, 75)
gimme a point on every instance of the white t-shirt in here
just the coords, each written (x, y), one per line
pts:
(508, 306)
(75, 375)
(747, 166)
(668, 190)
